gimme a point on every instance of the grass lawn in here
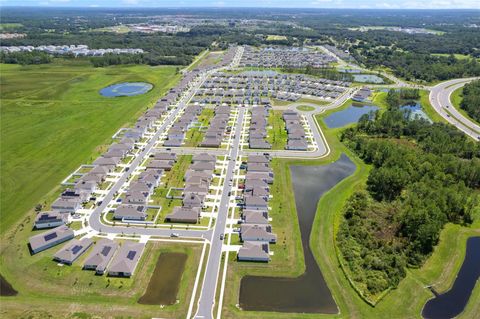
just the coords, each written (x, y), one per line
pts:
(305, 108)
(194, 135)
(428, 108)
(53, 120)
(313, 101)
(272, 37)
(277, 134)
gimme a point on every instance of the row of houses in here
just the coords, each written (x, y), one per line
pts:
(197, 182)
(257, 133)
(256, 87)
(284, 57)
(104, 254)
(217, 127)
(137, 196)
(296, 140)
(177, 133)
(255, 229)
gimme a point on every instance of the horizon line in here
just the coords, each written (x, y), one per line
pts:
(227, 7)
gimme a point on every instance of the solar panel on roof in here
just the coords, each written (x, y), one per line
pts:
(106, 250)
(76, 249)
(131, 254)
(50, 236)
(46, 217)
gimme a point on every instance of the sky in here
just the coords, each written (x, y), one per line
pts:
(364, 4)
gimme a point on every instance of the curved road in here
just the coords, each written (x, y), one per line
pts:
(441, 103)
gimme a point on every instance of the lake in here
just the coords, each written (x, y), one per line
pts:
(451, 303)
(307, 293)
(347, 116)
(126, 89)
(367, 78)
(415, 111)
(165, 281)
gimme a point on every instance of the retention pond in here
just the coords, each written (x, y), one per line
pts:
(126, 89)
(349, 115)
(163, 286)
(309, 292)
(451, 303)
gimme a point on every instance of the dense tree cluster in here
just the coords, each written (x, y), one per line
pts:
(326, 73)
(419, 66)
(471, 100)
(424, 175)
(25, 58)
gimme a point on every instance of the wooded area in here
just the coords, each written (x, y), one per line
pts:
(424, 175)
(471, 100)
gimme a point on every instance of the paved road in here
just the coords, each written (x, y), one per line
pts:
(209, 287)
(440, 98)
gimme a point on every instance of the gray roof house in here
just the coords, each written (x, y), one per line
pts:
(254, 251)
(126, 260)
(255, 217)
(258, 167)
(66, 205)
(71, 251)
(50, 238)
(101, 255)
(162, 156)
(130, 212)
(263, 176)
(258, 159)
(249, 232)
(160, 164)
(87, 186)
(184, 215)
(136, 197)
(203, 157)
(297, 145)
(192, 200)
(202, 166)
(255, 203)
(196, 188)
(50, 219)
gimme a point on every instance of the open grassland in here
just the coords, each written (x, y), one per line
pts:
(404, 302)
(47, 290)
(53, 119)
(276, 134)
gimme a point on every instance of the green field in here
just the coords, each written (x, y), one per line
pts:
(10, 26)
(272, 37)
(53, 120)
(305, 108)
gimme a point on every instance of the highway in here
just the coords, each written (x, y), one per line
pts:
(209, 287)
(440, 100)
